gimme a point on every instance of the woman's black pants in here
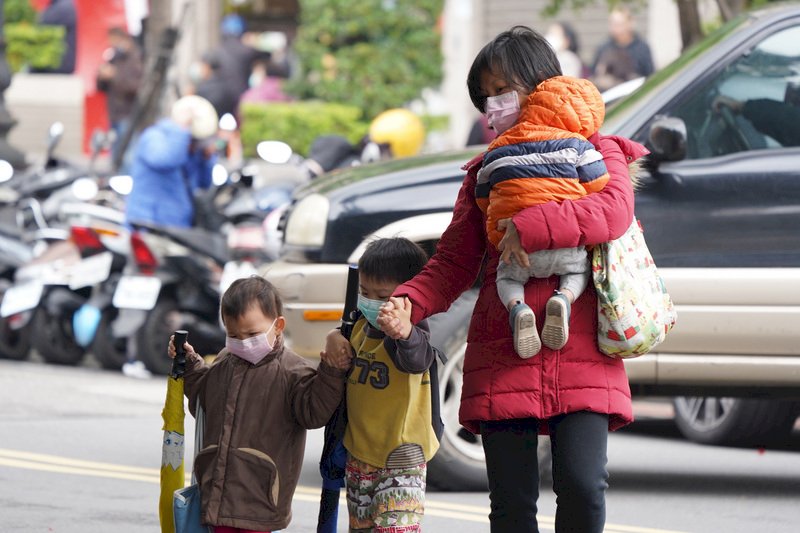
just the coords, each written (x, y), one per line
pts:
(578, 442)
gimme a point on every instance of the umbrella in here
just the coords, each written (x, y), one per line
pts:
(333, 458)
(172, 469)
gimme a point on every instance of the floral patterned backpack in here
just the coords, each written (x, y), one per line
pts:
(635, 312)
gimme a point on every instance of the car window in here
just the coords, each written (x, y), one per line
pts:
(767, 79)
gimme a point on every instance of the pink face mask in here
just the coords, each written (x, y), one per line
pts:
(502, 111)
(252, 349)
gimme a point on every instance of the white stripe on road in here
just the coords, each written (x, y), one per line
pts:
(65, 465)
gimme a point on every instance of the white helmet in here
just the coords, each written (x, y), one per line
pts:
(198, 114)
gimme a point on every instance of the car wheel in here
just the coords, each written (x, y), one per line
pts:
(459, 465)
(734, 421)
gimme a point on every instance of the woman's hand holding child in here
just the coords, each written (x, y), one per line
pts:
(510, 245)
(394, 318)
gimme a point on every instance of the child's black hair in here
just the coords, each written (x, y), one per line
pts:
(246, 292)
(394, 260)
(520, 55)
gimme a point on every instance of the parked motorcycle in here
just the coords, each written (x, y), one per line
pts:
(45, 289)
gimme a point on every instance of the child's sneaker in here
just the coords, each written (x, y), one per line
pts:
(523, 324)
(555, 332)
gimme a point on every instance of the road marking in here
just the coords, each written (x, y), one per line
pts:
(65, 465)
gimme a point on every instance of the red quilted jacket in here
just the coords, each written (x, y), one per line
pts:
(498, 385)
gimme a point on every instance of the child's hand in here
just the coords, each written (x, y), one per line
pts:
(338, 352)
(187, 349)
(394, 318)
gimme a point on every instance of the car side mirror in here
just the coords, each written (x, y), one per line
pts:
(668, 139)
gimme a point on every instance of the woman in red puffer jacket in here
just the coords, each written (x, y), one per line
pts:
(575, 394)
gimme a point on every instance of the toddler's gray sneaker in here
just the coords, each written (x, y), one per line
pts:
(523, 324)
(555, 332)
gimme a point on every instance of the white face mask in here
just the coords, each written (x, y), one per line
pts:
(252, 349)
(502, 111)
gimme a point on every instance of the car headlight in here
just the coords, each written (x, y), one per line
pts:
(307, 221)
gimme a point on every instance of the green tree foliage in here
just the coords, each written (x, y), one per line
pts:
(28, 44)
(372, 54)
(34, 46)
(298, 123)
(16, 11)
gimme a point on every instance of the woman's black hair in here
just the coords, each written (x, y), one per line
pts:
(393, 260)
(246, 292)
(520, 55)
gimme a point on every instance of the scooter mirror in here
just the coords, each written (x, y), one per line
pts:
(121, 184)
(84, 189)
(6, 171)
(276, 152)
(228, 122)
(56, 130)
(219, 175)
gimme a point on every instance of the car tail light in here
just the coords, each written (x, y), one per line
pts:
(144, 257)
(86, 239)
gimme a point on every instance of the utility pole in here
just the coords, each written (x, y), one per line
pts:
(7, 152)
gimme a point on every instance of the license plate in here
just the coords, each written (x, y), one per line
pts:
(90, 271)
(20, 298)
(137, 292)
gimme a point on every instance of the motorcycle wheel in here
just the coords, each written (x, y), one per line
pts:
(153, 336)
(15, 344)
(110, 351)
(54, 339)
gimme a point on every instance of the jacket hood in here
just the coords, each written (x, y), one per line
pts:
(565, 103)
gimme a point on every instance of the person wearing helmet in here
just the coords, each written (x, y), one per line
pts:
(401, 129)
(172, 159)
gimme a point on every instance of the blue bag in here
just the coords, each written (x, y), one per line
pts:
(186, 501)
(186, 510)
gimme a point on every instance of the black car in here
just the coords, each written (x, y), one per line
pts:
(719, 201)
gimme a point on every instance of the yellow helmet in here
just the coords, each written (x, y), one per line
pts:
(401, 129)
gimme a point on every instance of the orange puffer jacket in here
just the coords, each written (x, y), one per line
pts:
(545, 156)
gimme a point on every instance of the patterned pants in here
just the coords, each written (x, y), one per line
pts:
(385, 500)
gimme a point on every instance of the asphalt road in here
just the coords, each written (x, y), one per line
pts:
(80, 450)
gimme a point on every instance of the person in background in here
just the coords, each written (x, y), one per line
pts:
(564, 40)
(214, 87)
(235, 57)
(264, 86)
(778, 119)
(119, 77)
(62, 13)
(171, 160)
(624, 56)
(259, 400)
